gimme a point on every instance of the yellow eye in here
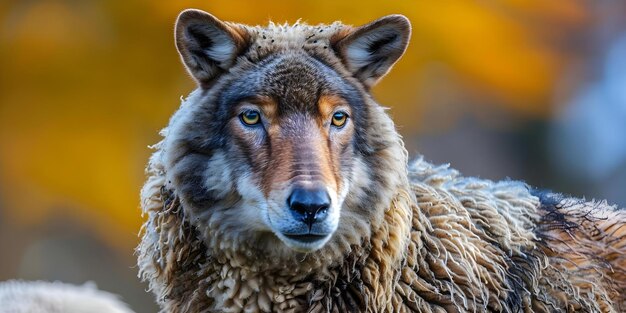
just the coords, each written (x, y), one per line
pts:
(339, 119)
(250, 117)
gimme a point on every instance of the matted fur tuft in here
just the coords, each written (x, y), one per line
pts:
(416, 238)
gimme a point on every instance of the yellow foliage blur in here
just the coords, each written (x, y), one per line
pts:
(86, 85)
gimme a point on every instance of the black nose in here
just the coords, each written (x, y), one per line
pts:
(309, 204)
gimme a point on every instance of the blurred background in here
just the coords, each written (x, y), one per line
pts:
(526, 89)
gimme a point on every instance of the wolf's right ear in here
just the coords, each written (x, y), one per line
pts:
(207, 45)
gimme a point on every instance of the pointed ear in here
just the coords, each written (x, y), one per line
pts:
(207, 46)
(369, 51)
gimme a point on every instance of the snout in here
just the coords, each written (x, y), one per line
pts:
(309, 205)
(308, 217)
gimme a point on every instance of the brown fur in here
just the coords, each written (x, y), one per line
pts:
(420, 238)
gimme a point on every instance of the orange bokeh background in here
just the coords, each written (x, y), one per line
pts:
(85, 87)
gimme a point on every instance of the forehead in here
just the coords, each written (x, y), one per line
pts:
(294, 81)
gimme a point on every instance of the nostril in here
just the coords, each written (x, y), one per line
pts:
(309, 205)
(298, 207)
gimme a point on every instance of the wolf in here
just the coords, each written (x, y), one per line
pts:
(281, 185)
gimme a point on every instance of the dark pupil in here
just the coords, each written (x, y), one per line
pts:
(251, 115)
(338, 116)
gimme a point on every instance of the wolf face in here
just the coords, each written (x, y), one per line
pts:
(281, 149)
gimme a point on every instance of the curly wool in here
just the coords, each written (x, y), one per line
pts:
(447, 244)
(417, 238)
(46, 297)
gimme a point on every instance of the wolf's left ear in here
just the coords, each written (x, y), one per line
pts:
(207, 45)
(369, 51)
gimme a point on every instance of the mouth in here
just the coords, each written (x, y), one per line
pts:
(306, 238)
(305, 242)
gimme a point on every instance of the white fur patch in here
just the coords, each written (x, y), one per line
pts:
(218, 175)
(253, 208)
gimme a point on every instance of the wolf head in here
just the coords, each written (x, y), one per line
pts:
(281, 151)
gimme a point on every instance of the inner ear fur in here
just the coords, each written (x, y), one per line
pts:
(207, 46)
(369, 51)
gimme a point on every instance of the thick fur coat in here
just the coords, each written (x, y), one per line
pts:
(408, 238)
